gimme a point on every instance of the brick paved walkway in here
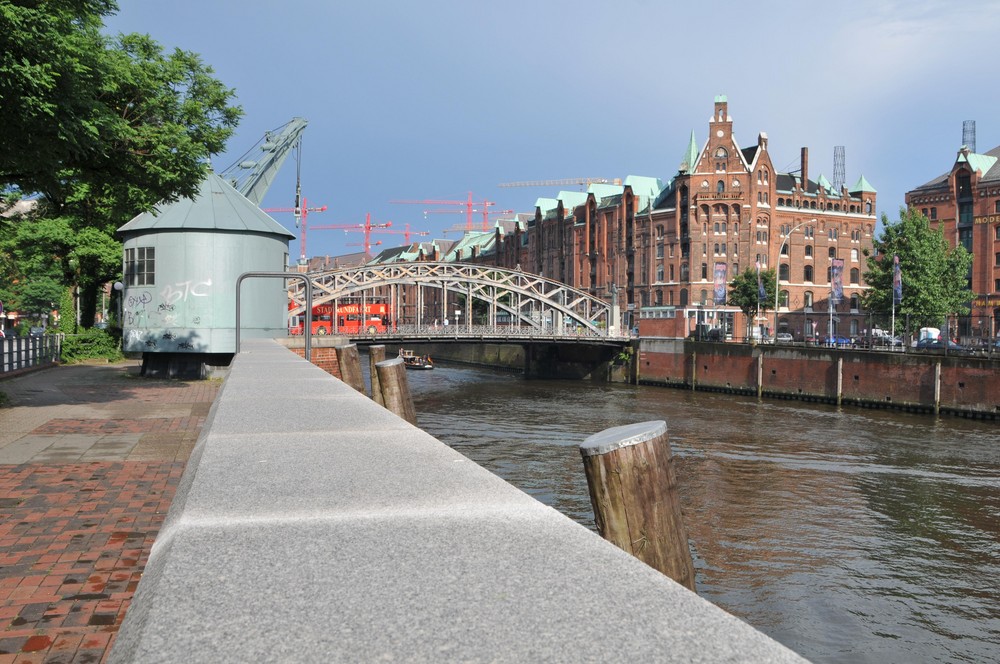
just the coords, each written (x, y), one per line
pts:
(90, 458)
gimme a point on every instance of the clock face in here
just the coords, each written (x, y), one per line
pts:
(719, 133)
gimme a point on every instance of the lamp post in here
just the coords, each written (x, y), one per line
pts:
(777, 272)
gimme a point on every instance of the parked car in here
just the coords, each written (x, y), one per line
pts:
(36, 331)
(840, 342)
(940, 344)
(784, 338)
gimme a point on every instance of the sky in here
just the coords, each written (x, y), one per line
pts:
(431, 100)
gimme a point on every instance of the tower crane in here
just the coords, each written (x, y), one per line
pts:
(300, 212)
(486, 218)
(368, 227)
(469, 207)
(253, 173)
(560, 183)
(406, 234)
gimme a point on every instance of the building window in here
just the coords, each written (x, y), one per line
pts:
(854, 255)
(659, 273)
(659, 251)
(720, 187)
(807, 298)
(868, 207)
(704, 271)
(809, 251)
(784, 249)
(671, 273)
(783, 272)
(855, 302)
(704, 296)
(684, 297)
(856, 275)
(721, 153)
(783, 299)
(807, 273)
(659, 232)
(140, 266)
(832, 251)
(996, 208)
(933, 213)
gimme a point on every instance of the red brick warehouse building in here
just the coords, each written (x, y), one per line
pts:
(656, 245)
(965, 204)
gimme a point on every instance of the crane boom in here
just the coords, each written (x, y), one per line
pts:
(559, 183)
(253, 173)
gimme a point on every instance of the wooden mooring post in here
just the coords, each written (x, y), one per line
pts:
(350, 366)
(395, 389)
(633, 490)
(376, 354)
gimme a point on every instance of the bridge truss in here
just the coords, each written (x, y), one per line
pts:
(424, 291)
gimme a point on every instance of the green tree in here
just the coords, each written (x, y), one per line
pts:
(102, 128)
(744, 292)
(935, 279)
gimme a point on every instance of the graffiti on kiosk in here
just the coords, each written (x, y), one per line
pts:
(139, 301)
(179, 292)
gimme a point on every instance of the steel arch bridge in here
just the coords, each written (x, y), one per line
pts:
(419, 292)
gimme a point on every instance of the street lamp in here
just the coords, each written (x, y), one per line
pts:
(777, 272)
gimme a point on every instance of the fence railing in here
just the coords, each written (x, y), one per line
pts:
(19, 353)
(462, 330)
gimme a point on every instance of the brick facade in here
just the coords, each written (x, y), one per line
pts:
(965, 204)
(657, 245)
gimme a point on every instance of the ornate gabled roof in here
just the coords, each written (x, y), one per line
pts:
(862, 185)
(217, 206)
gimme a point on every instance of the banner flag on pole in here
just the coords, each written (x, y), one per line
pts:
(897, 281)
(836, 280)
(761, 293)
(720, 282)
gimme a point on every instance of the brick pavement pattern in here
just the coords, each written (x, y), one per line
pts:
(90, 458)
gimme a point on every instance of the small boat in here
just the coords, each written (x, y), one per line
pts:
(413, 361)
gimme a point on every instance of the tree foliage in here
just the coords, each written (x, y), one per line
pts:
(935, 278)
(102, 128)
(745, 293)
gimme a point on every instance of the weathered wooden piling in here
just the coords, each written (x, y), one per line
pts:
(376, 354)
(395, 389)
(350, 366)
(633, 490)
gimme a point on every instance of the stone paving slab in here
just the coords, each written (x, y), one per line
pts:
(90, 458)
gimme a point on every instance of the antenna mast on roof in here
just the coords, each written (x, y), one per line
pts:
(969, 134)
(839, 173)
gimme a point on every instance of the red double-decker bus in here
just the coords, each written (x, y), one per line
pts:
(345, 318)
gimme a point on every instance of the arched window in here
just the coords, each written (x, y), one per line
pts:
(832, 251)
(659, 273)
(868, 207)
(783, 299)
(809, 250)
(855, 302)
(736, 269)
(855, 277)
(684, 272)
(807, 273)
(783, 272)
(720, 187)
(684, 297)
(659, 231)
(812, 205)
(721, 153)
(807, 299)
(704, 271)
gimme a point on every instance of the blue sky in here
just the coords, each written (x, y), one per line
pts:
(431, 100)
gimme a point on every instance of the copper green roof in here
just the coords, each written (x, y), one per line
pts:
(862, 185)
(217, 206)
(979, 162)
(690, 157)
(719, 98)
(572, 199)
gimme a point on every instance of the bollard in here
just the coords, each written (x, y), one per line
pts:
(350, 366)
(395, 389)
(376, 354)
(633, 490)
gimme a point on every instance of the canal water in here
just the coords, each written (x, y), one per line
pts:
(848, 535)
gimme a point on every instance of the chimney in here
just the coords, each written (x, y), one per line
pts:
(805, 169)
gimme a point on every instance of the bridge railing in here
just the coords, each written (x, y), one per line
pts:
(485, 331)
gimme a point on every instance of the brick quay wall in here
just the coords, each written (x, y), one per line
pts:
(925, 382)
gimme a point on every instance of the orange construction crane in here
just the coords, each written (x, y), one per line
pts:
(301, 212)
(406, 234)
(469, 208)
(561, 183)
(486, 218)
(367, 227)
